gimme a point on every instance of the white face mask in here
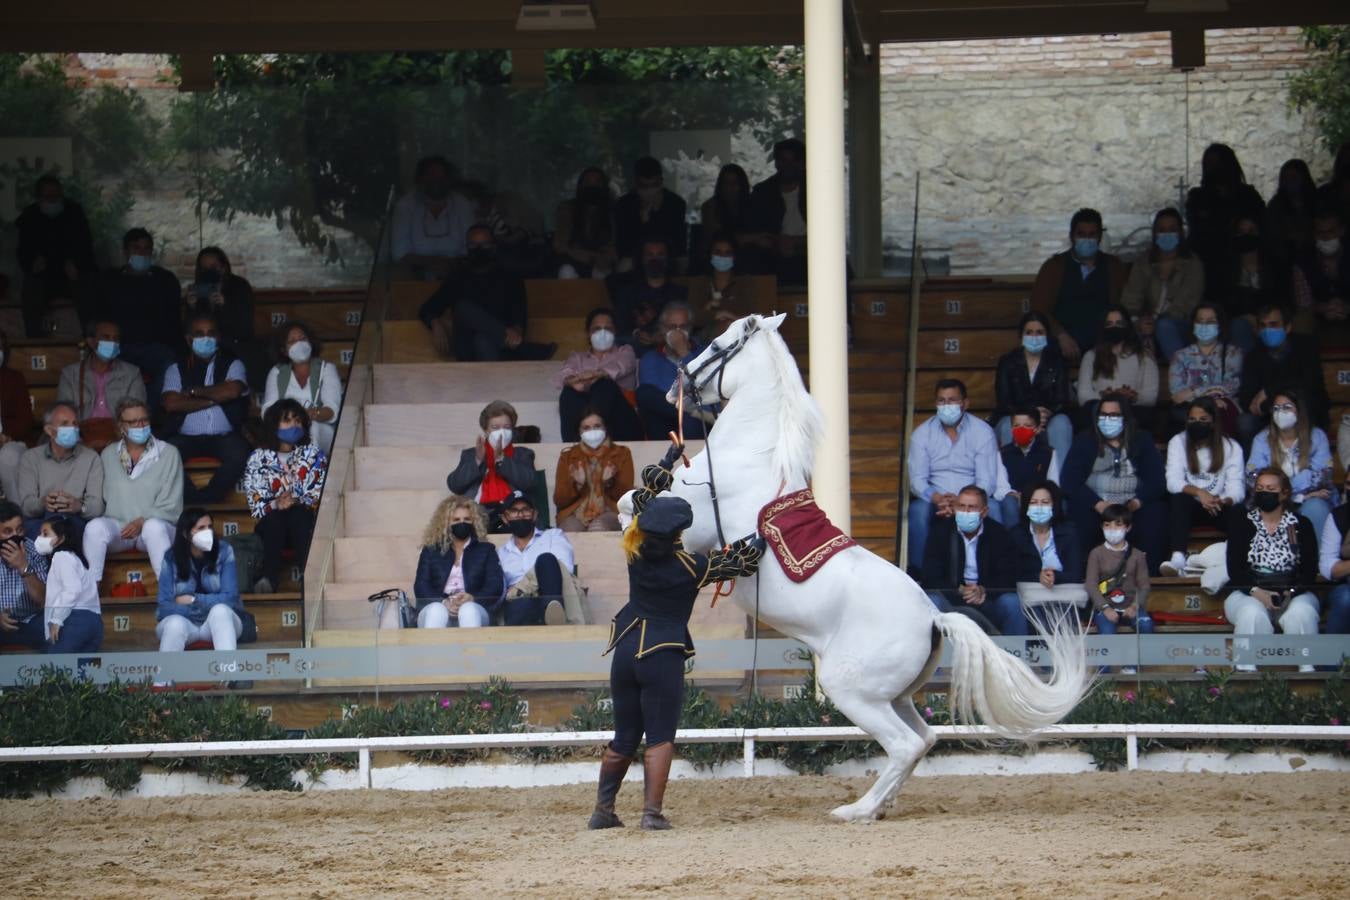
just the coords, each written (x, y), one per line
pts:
(1285, 418)
(1329, 246)
(593, 437)
(500, 438)
(300, 351)
(204, 540)
(602, 339)
(44, 545)
(1114, 536)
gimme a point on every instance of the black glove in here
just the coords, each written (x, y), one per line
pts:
(749, 549)
(657, 479)
(672, 456)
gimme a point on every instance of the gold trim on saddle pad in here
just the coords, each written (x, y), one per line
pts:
(800, 566)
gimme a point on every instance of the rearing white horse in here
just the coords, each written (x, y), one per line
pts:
(875, 633)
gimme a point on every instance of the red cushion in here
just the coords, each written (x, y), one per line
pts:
(200, 645)
(203, 461)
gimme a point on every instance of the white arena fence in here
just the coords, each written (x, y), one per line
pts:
(747, 737)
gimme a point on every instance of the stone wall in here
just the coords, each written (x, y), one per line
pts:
(1009, 137)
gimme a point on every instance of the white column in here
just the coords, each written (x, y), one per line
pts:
(825, 231)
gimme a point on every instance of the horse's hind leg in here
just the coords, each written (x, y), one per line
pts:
(875, 715)
(905, 709)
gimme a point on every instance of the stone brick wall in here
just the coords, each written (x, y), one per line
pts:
(1009, 137)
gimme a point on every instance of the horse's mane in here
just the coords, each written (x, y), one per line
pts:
(802, 422)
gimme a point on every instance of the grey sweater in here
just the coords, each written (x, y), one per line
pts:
(79, 474)
(123, 381)
(157, 493)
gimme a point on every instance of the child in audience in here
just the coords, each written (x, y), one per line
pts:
(1117, 578)
(71, 612)
(1028, 459)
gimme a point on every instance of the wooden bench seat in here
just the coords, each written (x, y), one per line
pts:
(334, 315)
(448, 425)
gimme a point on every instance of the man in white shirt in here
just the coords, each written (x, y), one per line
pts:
(544, 554)
(429, 224)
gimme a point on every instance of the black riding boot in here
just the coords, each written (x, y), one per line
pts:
(613, 767)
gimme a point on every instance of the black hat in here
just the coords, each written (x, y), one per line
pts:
(517, 497)
(665, 517)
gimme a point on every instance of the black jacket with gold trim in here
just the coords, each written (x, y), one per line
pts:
(661, 595)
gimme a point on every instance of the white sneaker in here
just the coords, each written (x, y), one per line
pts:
(1174, 567)
(1128, 670)
(1244, 668)
(1307, 669)
(554, 614)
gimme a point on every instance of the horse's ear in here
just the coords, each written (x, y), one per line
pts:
(771, 323)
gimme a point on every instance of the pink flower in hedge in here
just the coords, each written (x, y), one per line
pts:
(1129, 696)
(1171, 702)
(485, 705)
(825, 720)
(1215, 691)
(1335, 722)
(445, 703)
(928, 712)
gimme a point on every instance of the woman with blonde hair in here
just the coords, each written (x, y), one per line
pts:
(459, 580)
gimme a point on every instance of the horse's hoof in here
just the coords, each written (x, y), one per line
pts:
(853, 813)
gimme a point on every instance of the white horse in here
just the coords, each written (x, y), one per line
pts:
(876, 636)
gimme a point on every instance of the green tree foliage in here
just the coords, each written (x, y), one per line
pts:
(1324, 86)
(114, 138)
(315, 141)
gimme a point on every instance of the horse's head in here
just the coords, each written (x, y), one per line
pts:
(714, 375)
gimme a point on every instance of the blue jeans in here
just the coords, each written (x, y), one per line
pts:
(1338, 615)
(1170, 335)
(529, 610)
(30, 634)
(921, 515)
(1105, 626)
(1058, 431)
(82, 632)
(1315, 511)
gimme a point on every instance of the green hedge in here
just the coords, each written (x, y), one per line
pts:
(62, 710)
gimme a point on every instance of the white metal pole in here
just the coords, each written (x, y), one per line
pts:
(825, 231)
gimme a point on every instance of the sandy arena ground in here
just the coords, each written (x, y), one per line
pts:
(1107, 835)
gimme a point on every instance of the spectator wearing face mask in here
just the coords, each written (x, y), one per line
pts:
(1296, 447)
(1116, 463)
(584, 234)
(592, 475)
(1322, 273)
(16, 421)
(430, 223)
(1028, 459)
(650, 210)
(23, 583)
(970, 565)
(72, 613)
(600, 378)
(639, 300)
(1074, 288)
(726, 212)
(1034, 376)
(142, 493)
(1211, 367)
(1118, 365)
(145, 301)
(534, 563)
(56, 254)
(98, 382)
(716, 294)
(198, 588)
(1164, 286)
(494, 466)
(775, 242)
(283, 483)
(459, 578)
(206, 398)
(303, 376)
(1282, 359)
(948, 452)
(658, 370)
(1204, 478)
(226, 297)
(60, 476)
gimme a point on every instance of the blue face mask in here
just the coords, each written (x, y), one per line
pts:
(67, 436)
(1110, 426)
(1034, 343)
(723, 263)
(108, 350)
(1207, 332)
(139, 263)
(1041, 515)
(1167, 241)
(1085, 248)
(205, 347)
(139, 435)
(1272, 337)
(968, 522)
(290, 435)
(949, 413)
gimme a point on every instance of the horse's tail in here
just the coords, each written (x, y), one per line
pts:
(1002, 690)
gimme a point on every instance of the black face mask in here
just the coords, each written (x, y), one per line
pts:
(1199, 431)
(1114, 334)
(1247, 243)
(1266, 501)
(462, 530)
(521, 528)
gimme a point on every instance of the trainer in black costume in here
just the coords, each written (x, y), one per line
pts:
(650, 640)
